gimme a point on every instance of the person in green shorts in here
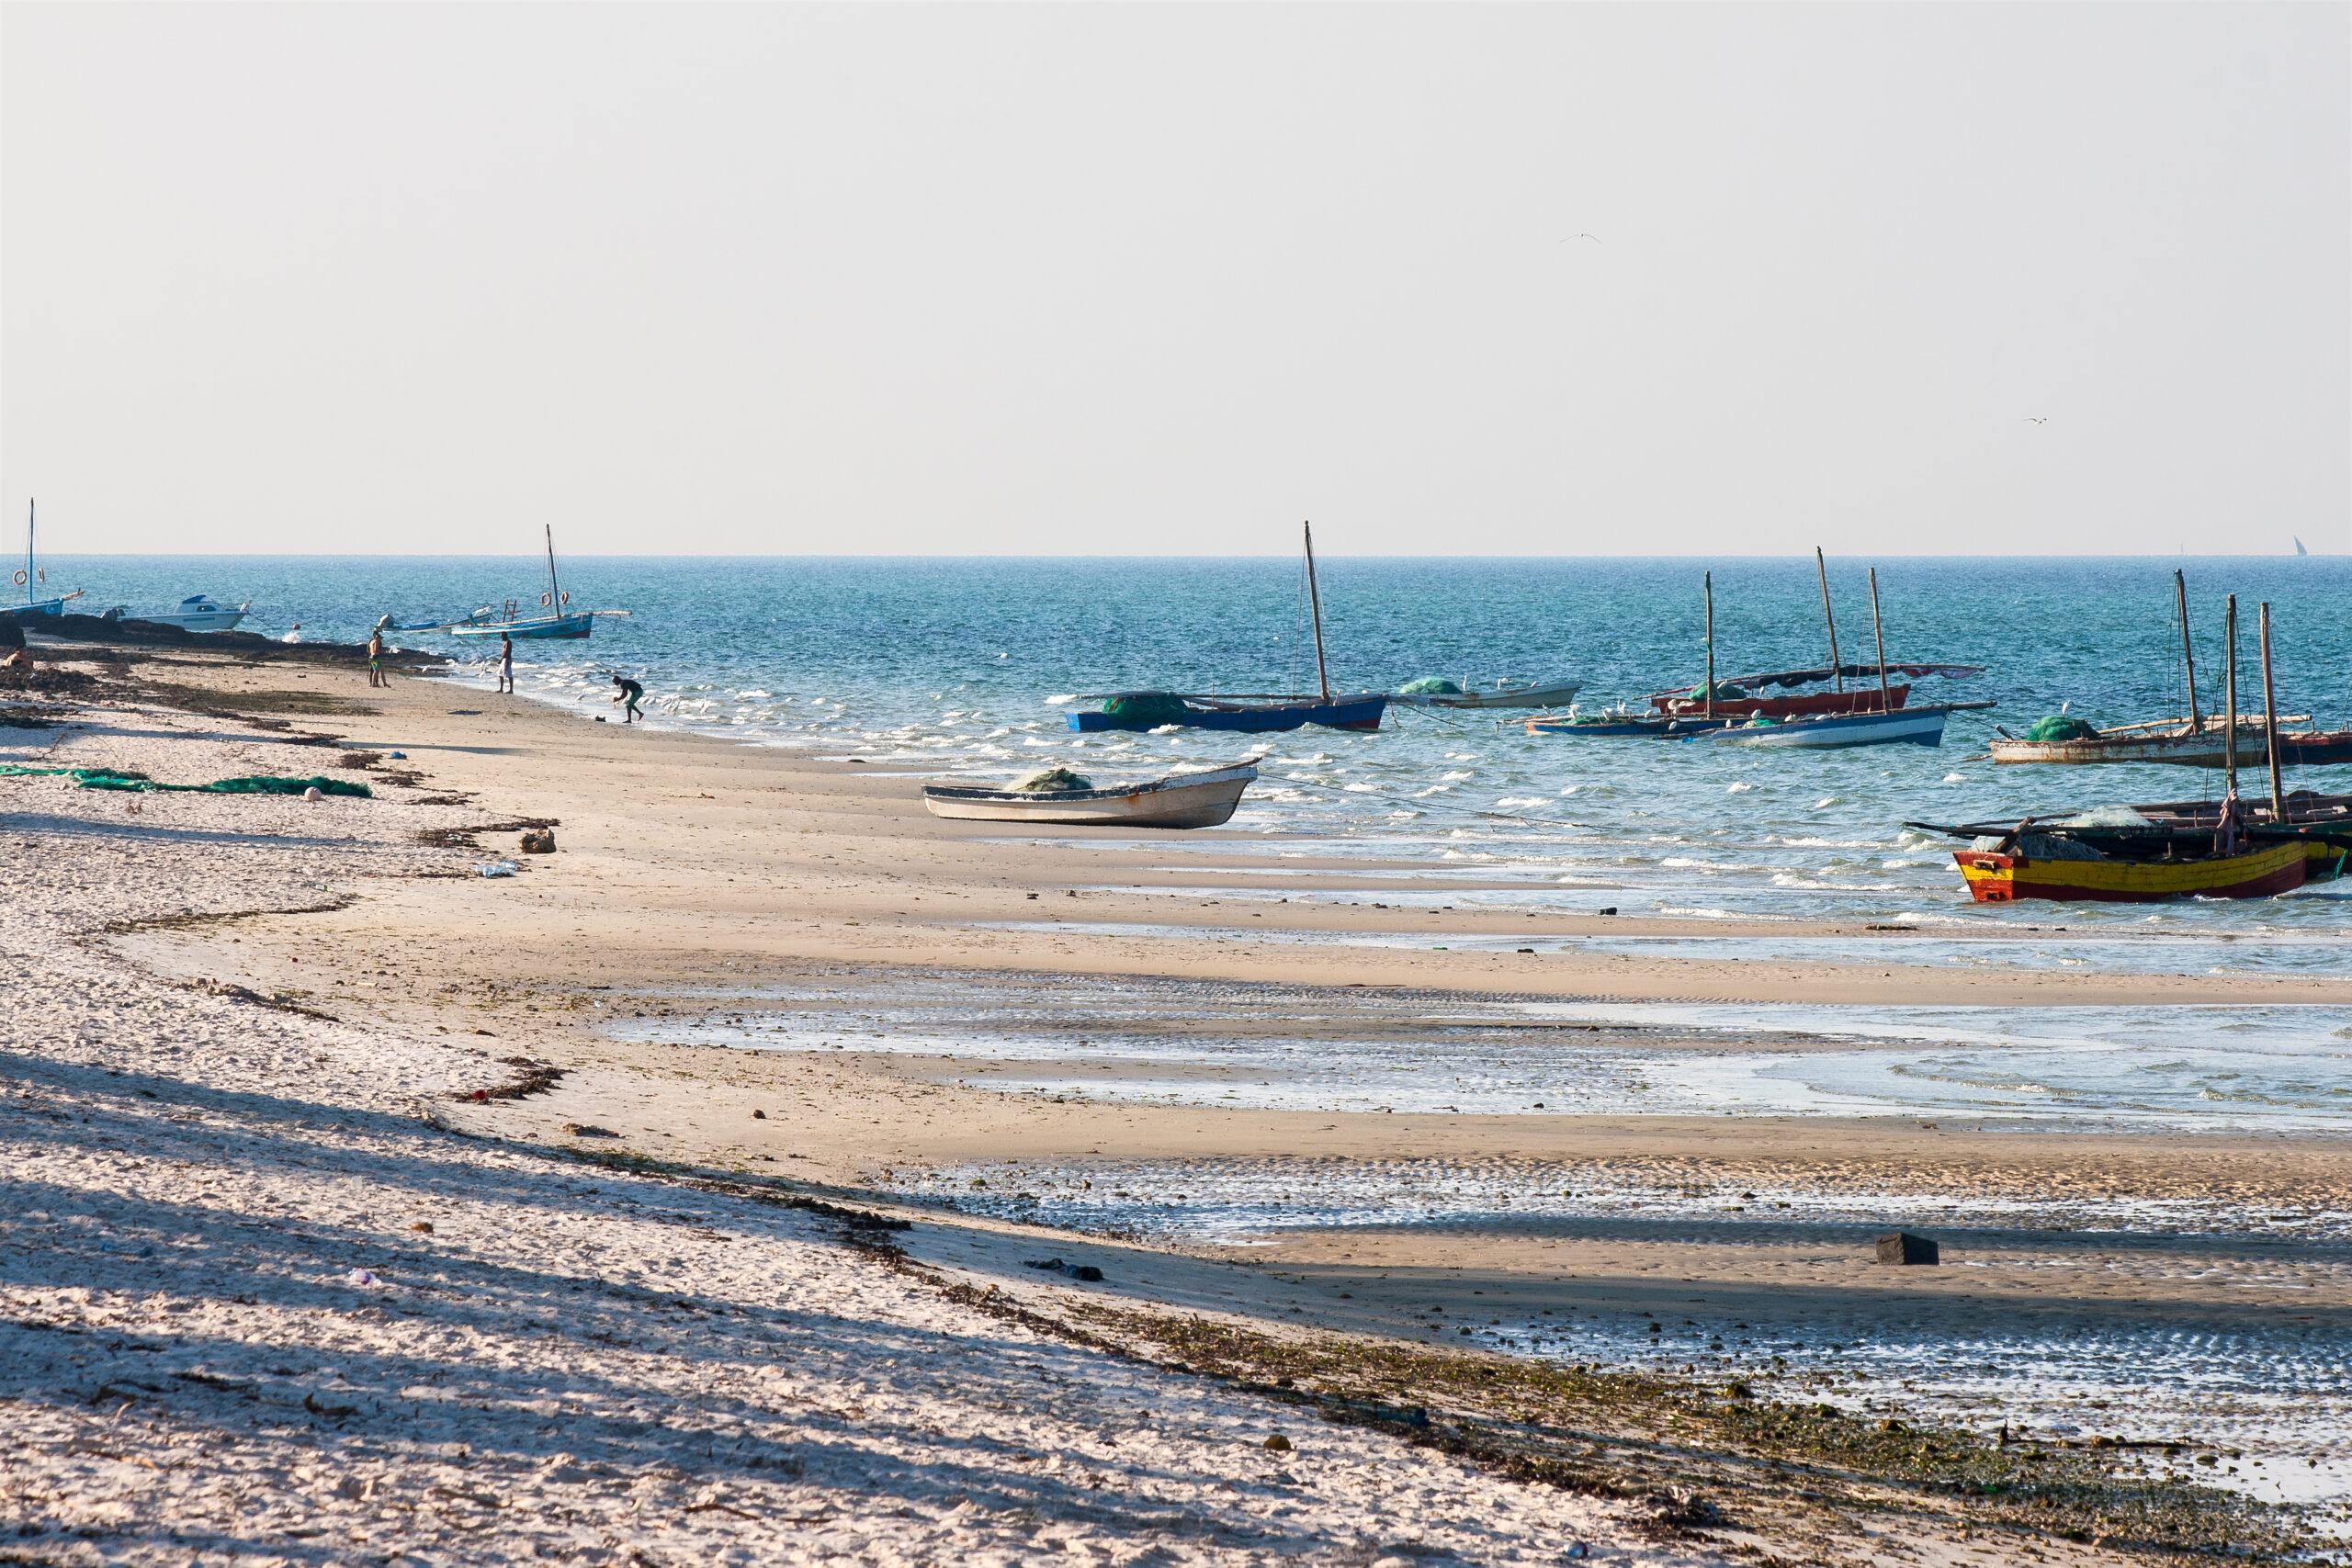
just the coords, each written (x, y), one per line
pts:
(630, 694)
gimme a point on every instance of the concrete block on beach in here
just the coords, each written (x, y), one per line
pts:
(1902, 1247)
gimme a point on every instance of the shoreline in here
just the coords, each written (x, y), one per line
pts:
(685, 860)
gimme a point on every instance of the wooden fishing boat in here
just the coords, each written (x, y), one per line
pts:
(1878, 687)
(32, 577)
(2198, 740)
(1622, 723)
(1502, 694)
(1738, 697)
(1249, 712)
(2057, 866)
(1920, 726)
(1245, 715)
(2182, 744)
(2130, 856)
(1203, 799)
(555, 620)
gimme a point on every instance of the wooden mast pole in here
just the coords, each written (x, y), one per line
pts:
(1708, 584)
(2187, 652)
(554, 594)
(1837, 672)
(2229, 714)
(2270, 725)
(30, 513)
(1878, 633)
(1315, 609)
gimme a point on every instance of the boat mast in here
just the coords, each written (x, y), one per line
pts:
(1315, 609)
(1837, 672)
(30, 507)
(1707, 584)
(2229, 717)
(1885, 698)
(2187, 653)
(555, 595)
(2270, 723)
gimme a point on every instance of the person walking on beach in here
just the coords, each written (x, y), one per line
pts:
(375, 658)
(506, 664)
(630, 692)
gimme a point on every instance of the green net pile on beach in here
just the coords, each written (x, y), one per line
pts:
(1149, 707)
(1053, 781)
(1430, 686)
(2058, 727)
(247, 784)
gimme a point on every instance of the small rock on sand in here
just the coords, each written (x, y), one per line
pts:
(1902, 1247)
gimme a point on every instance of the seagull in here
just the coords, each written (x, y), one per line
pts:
(2032, 420)
(1594, 238)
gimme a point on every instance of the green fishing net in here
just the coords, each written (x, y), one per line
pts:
(2058, 727)
(127, 779)
(1430, 686)
(1053, 781)
(1148, 708)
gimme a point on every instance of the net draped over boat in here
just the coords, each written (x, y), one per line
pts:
(1053, 781)
(2059, 727)
(1148, 707)
(1430, 686)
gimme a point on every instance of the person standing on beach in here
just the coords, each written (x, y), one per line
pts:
(375, 658)
(506, 664)
(630, 692)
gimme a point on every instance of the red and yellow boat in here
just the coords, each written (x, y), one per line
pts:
(1996, 877)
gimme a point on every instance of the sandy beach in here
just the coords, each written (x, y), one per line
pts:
(371, 1207)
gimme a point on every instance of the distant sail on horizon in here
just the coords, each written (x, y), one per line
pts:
(2298, 544)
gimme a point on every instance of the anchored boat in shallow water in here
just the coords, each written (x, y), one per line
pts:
(2057, 865)
(1249, 712)
(1203, 799)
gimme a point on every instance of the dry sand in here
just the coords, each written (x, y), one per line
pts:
(624, 1363)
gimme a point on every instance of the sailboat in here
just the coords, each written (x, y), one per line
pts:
(2196, 741)
(2298, 544)
(557, 619)
(32, 577)
(1252, 712)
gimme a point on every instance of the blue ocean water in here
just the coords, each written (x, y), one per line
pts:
(964, 666)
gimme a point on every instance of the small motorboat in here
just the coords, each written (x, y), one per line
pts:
(1204, 799)
(197, 613)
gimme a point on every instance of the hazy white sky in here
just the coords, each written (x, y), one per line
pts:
(1166, 279)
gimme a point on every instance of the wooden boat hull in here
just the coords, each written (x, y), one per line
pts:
(537, 628)
(2304, 748)
(1252, 718)
(40, 607)
(1858, 700)
(1912, 726)
(1997, 879)
(1626, 726)
(1559, 694)
(1180, 800)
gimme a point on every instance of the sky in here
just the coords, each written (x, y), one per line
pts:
(1524, 279)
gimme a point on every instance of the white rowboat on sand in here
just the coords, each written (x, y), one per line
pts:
(1179, 800)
